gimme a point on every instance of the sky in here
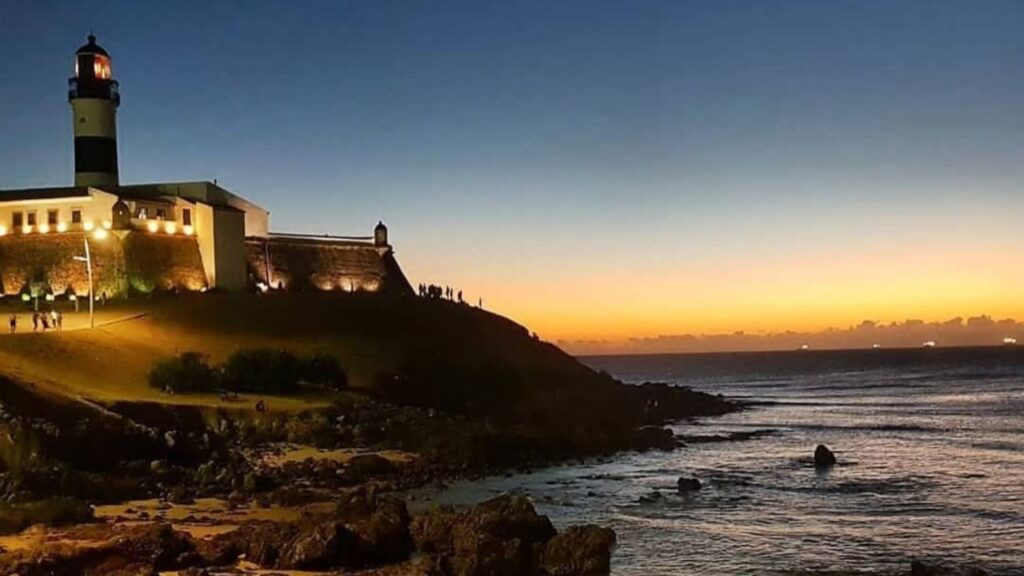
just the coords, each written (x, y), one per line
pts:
(597, 170)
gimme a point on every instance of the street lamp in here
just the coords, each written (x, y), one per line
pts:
(88, 267)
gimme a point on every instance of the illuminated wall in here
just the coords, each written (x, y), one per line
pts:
(310, 264)
(161, 263)
(130, 262)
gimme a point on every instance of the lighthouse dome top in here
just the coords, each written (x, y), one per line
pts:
(92, 48)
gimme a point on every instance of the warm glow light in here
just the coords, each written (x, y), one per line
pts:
(188, 230)
(62, 227)
(99, 234)
(1009, 341)
(100, 67)
(108, 224)
(44, 228)
(26, 229)
(88, 225)
(3, 230)
(152, 225)
(170, 227)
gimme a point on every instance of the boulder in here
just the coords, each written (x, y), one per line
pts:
(363, 531)
(685, 484)
(262, 543)
(380, 526)
(501, 537)
(363, 467)
(319, 546)
(579, 550)
(823, 457)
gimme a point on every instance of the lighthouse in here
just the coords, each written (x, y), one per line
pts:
(94, 99)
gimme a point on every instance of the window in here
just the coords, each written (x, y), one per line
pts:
(143, 213)
(161, 214)
(76, 215)
(17, 220)
(186, 216)
(51, 217)
(31, 218)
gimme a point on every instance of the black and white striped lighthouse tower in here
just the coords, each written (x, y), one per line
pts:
(94, 99)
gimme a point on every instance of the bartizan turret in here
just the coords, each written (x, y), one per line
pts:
(380, 235)
(93, 94)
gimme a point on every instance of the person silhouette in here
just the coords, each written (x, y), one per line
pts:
(14, 323)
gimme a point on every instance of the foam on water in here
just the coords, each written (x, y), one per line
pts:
(931, 451)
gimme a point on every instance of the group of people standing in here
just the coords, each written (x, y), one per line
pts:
(444, 292)
(438, 292)
(45, 320)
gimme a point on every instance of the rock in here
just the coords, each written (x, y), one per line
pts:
(501, 537)
(380, 526)
(823, 457)
(262, 543)
(364, 467)
(579, 550)
(321, 546)
(180, 495)
(685, 484)
(656, 437)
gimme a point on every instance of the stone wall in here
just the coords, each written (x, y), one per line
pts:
(156, 262)
(297, 264)
(138, 262)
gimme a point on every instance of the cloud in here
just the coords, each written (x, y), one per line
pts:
(974, 331)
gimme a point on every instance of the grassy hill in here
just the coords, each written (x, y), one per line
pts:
(433, 355)
(368, 333)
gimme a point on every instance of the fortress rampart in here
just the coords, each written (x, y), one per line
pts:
(298, 263)
(131, 262)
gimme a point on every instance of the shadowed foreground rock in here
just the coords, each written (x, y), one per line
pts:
(364, 531)
(131, 551)
(503, 536)
(579, 550)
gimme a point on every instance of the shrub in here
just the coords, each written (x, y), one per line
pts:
(187, 372)
(262, 370)
(324, 370)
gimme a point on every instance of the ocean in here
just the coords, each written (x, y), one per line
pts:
(930, 445)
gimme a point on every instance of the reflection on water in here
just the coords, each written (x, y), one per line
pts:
(931, 452)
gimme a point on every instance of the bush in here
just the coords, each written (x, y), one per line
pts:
(324, 370)
(51, 512)
(255, 370)
(187, 372)
(262, 370)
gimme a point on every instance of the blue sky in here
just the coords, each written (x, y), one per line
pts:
(543, 148)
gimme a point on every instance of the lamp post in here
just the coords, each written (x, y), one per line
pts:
(88, 268)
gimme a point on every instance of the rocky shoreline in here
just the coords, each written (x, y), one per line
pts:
(335, 475)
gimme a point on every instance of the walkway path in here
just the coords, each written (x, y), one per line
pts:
(72, 321)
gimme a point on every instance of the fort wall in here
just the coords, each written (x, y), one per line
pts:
(298, 264)
(129, 262)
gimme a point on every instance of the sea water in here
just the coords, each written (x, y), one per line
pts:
(930, 445)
